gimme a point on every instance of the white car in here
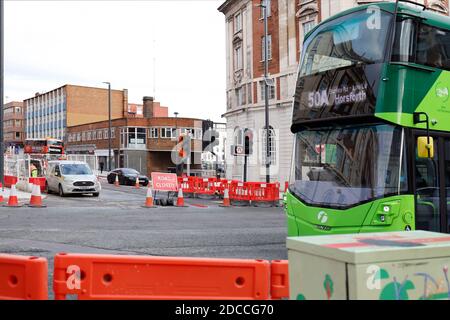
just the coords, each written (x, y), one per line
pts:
(70, 177)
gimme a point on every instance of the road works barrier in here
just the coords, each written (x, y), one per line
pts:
(23, 278)
(141, 277)
(10, 180)
(279, 279)
(240, 193)
(40, 181)
(264, 193)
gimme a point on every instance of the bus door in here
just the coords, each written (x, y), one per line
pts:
(432, 187)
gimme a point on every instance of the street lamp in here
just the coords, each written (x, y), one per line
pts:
(109, 125)
(266, 87)
(2, 141)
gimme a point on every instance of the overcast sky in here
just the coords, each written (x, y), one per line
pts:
(52, 43)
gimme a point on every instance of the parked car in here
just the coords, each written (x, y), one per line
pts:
(127, 176)
(71, 177)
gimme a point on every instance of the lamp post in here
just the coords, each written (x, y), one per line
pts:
(2, 141)
(109, 125)
(266, 87)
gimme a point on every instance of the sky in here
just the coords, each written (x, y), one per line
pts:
(171, 49)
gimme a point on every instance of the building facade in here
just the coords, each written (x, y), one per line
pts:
(146, 144)
(288, 22)
(14, 124)
(49, 114)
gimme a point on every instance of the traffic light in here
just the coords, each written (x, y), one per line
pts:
(248, 142)
(207, 126)
(184, 141)
(210, 138)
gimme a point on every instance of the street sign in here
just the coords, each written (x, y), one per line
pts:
(238, 150)
(164, 181)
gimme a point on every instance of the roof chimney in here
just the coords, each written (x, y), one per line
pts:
(148, 107)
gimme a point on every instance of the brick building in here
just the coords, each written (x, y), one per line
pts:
(49, 114)
(145, 144)
(13, 124)
(288, 22)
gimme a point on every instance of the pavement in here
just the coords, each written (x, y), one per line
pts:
(116, 223)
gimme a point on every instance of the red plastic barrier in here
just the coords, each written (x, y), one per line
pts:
(188, 184)
(23, 278)
(240, 191)
(221, 185)
(39, 181)
(10, 180)
(279, 279)
(142, 277)
(206, 186)
(264, 192)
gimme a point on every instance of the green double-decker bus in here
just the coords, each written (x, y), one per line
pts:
(371, 119)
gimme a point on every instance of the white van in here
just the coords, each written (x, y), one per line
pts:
(70, 177)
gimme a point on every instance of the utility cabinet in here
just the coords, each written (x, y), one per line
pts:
(387, 266)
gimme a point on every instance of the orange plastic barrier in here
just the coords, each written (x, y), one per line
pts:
(10, 180)
(279, 279)
(143, 277)
(187, 184)
(23, 278)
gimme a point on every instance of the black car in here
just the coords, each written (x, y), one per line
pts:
(127, 176)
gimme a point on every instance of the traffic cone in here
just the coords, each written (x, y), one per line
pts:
(136, 185)
(13, 201)
(116, 182)
(226, 199)
(180, 198)
(36, 198)
(149, 199)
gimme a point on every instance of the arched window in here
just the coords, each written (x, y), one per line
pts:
(272, 146)
(238, 137)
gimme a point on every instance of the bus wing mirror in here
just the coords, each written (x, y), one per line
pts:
(425, 147)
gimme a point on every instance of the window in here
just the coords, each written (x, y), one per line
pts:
(342, 166)
(308, 26)
(238, 136)
(344, 42)
(238, 65)
(262, 85)
(105, 133)
(422, 44)
(268, 5)
(83, 136)
(269, 47)
(153, 133)
(17, 135)
(272, 146)
(78, 136)
(167, 132)
(94, 135)
(238, 22)
(89, 136)
(433, 47)
(240, 96)
(99, 134)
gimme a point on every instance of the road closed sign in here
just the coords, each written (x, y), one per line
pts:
(164, 181)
